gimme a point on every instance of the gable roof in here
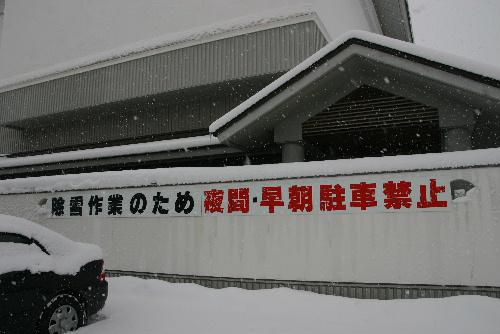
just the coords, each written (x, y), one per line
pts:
(333, 59)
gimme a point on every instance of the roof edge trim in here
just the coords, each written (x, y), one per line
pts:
(112, 151)
(410, 26)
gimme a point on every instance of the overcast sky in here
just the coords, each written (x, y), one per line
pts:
(44, 33)
(469, 28)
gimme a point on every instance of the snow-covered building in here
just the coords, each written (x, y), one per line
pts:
(159, 94)
(284, 84)
(255, 82)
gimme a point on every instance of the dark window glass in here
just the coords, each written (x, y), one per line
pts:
(15, 238)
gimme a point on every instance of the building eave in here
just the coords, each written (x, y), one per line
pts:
(258, 107)
(185, 144)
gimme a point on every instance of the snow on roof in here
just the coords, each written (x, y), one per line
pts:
(112, 151)
(66, 256)
(465, 64)
(169, 41)
(201, 175)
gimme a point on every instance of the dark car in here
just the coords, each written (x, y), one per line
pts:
(48, 283)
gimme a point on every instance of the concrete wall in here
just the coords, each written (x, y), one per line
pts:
(457, 246)
(38, 34)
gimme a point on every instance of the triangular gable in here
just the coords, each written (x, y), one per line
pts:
(358, 58)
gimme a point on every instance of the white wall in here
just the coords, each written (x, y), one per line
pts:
(458, 246)
(38, 34)
(462, 27)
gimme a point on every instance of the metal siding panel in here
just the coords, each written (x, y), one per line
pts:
(214, 66)
(133, 79)
(102, 85)
(259, 53)
(110, 83)
(208, 70)
(90, 94)
(176, 70)
(122, 81)
(76, 98)
(153, 82)
(230, 55)
(273, 53)
(144, 78)
(173, 69)
(73, 100)
(193, 65)
(128, 82)
(85, 89)
(141, 76)
(26, 103)
(184, 69)
(241, 56)
(231, 44)
(98, 90)
(165, 70)
(176, 84)
(147, 77)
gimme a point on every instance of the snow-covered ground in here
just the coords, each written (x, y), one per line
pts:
(151, 306)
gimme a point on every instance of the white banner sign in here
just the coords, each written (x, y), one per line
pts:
(286, 197)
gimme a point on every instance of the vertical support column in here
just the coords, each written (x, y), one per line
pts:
(289, 135)
(457, 139)
(292, 152)
(457, 123)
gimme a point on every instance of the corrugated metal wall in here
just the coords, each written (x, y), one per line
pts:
(12, 141)
(269, 51)
(172, 114)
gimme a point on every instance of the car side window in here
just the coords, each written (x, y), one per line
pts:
(20, 253)
(20, 239)
(15, 238)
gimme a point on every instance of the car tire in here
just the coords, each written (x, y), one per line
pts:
(64, 313)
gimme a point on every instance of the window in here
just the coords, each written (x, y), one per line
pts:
(20, 239)
(15, 238)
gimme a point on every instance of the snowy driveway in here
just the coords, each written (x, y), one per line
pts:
(151, 306)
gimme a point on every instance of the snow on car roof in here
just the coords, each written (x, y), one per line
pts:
(66, 256)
